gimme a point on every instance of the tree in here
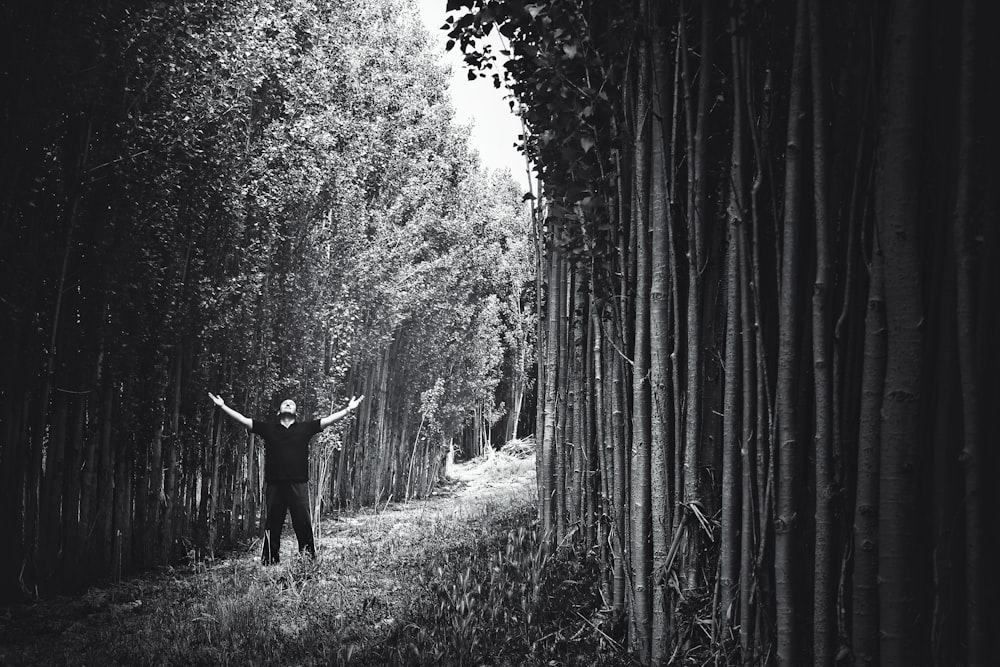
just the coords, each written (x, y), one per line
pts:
(740, 363)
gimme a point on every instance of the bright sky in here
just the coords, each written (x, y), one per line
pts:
(495, 127)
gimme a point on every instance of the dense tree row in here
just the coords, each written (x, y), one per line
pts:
(770, 290)
(265, 200)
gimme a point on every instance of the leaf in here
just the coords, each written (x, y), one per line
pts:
(586, 143)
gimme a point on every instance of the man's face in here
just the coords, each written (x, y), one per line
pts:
(287, 408)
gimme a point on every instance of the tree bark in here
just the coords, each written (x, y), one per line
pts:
(548, 449)
(825, 553)
(965, 229)
(750, 500)
(787, 519)
(864, 627)
(619, 534)
(641, 547)
(659, 338)
(898, 212)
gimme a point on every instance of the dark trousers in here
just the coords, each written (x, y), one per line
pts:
(287, 497)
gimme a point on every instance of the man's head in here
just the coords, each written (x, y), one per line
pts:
(287, 409)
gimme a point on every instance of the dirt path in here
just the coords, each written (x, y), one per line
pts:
(365, 582)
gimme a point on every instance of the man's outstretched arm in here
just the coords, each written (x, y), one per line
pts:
(337, 416)
(245, 422)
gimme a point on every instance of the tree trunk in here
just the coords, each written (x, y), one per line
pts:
(51, 515)
(750, 500)
(659, 342)
(561, 378)
(639, 493)
(825, 558)
(71, 559)
(731, 495)
(104, 521)
(731, 486)
(121, 549)
(548, 449)
(619, 534)
(170, 486)
(864, 596)
(897, 213)
(787, 519)
(966, 228)
(698, 217)
(602, 411)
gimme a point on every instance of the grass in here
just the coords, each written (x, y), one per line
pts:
(452, 580)
(502, 603)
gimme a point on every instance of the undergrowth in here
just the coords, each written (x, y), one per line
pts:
(454, 580)
(504, 603)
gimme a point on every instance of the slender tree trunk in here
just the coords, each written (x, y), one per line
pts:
(619, 535)
(676, 406)
(946, 625)
(864, 596)
(659, 339)
(152, 500)
(575, 404)
(104, 521)
(731, 495)
(173, 443)
(764, 462)
(563, 384)
(602, 413)
(122, 547)
(72, 560)
(542, 356)
(548, 449)
(787, 519)
(750, 500)
(898, 213)
(731, 486)
(51, 516)
(965, 232)
(641, 547)
(591, 447)
(825, 558)
(698, 217)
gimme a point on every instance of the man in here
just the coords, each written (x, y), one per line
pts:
(286, 470)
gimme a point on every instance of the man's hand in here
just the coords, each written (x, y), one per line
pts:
(232, 414)
(337, 416)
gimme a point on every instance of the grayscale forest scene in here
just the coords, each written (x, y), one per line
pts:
(558, 333)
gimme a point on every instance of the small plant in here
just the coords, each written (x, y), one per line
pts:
(506, 603)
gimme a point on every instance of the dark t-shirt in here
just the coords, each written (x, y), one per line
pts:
(286, 450)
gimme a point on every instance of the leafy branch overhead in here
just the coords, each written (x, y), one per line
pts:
(563, 65)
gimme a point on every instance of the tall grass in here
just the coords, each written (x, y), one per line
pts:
(502, 603)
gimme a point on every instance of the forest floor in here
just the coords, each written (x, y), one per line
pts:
(400, 584)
